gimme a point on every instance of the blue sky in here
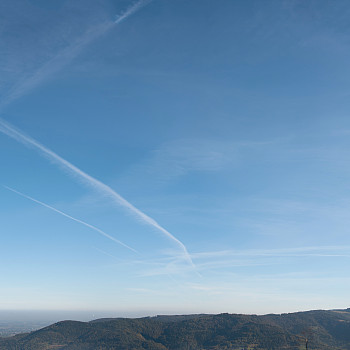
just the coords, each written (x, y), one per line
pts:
(210, 137)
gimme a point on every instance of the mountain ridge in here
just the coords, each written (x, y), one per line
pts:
(319, 329)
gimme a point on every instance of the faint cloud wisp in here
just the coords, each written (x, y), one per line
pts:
(56, 63)
(72, 218)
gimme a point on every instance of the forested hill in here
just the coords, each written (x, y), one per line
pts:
(321, 329)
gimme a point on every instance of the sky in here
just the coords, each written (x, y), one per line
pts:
(174, 156)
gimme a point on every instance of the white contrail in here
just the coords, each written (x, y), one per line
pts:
(131, 10)
(72, 218)
(66, 55)
(90, 181)
(53, 65)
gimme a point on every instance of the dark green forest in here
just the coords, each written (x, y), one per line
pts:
(319, 330)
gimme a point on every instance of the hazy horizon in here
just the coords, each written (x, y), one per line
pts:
(52, 316)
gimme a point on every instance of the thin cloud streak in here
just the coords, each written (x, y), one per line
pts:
(297, 251)
(91, 182)
(72, 218)
(66, 55)
(259, 257)
(54, 65)
(131, 10)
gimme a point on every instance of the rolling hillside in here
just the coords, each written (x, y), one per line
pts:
(321, 329)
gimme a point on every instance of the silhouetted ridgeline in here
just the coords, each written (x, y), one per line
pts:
(322, 329)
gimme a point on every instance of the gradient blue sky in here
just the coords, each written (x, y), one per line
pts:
(226, 122)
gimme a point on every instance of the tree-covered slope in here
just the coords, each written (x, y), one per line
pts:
(321, 329)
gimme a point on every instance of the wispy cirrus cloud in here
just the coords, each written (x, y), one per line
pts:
(228, 259)
(296, 251)
(212, 260)
(180, 157)
(231, 261)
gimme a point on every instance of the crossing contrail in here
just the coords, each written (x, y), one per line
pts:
(44, 72)
(91, 182)
(72, 218)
